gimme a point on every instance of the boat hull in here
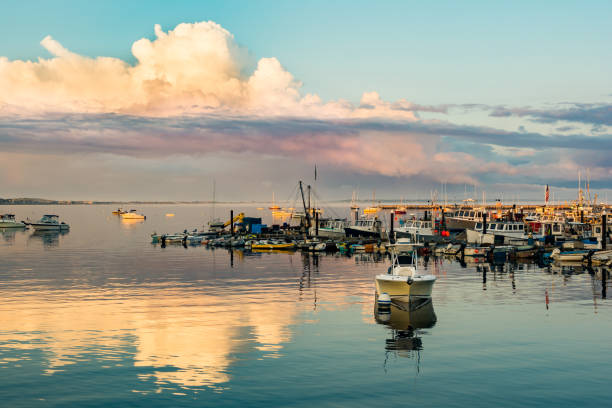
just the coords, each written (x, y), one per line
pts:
(361, 233)
(329, 233)
(397, 287)
(460, 223)
(273, 246)
(12, 225)
(50, 227)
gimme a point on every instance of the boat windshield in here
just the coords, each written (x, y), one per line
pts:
(404, 259)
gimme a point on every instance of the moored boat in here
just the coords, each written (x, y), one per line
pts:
(132, 215)
(272, 245)
(403, 281)
(569, 256)
(49, 222)
(9, 221)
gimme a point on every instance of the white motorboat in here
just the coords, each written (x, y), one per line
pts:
(132, 215)
(9, 221)
(49, 222)
(403, 281)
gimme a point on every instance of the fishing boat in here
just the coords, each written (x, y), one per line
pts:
(463, 218)
(403, 281)
(510, 229)
(330, 228)
(365, 228)
(132, 215)
(118, 211)
(418, 229)
(49, 222)
(9, 221)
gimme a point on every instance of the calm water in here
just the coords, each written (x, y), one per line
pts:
(100, 317)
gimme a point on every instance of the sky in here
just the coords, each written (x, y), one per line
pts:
(153, 100)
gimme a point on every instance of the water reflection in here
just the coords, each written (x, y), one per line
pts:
(49, 238)
(407, 321)
(9, 234)
(131, 223)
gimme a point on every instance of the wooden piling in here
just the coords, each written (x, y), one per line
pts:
(604, 231)
(391, 237)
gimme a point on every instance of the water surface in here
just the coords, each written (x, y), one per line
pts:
(99, 316)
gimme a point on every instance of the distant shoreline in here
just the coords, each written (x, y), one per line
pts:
(361, 203)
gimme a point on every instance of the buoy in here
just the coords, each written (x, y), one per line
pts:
(384, 300)
(169, 215)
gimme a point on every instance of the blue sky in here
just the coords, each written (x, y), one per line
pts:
(397, 96)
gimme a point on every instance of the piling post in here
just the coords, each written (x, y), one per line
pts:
(484, 222)
(316, 222)
(443, 225)
(391, 237)
(232, 222)
(604, 230)
(582, 216)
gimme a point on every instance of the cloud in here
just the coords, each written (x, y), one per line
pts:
(595, 114)
(192, 69)
(194, 92)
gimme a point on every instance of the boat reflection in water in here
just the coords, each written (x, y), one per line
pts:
(49, 238)
(9, 234)
(407, 321)
(131, 222)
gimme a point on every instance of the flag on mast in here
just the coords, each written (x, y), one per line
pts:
(547, 194)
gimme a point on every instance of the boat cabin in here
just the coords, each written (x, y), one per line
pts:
(468, 214)
(7, 217)
(502, 226)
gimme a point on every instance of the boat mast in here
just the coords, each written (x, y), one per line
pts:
(213, 200)
(304, 203)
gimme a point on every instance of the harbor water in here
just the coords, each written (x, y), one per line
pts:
(100, 317)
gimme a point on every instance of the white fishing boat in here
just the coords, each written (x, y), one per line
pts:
(510, 229)
(418, 229)
(403, 281)
(9, 221)
(49, 222)
(365, 228)
(465, 217)
(132, 215)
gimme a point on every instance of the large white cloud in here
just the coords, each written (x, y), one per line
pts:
(193, 68)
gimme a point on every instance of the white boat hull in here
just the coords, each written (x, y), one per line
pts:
(50, 227)
(398, 287)
(12, 225)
